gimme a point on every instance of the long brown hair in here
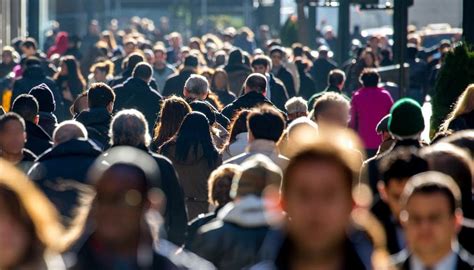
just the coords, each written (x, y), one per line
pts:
(237, 125)
(173, 111)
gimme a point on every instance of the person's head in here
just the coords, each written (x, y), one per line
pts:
(12, 133)
(464, 104)
(406, 119)
(143, 71)
(205, 108)
(323, 52)
(336, 78)
(191, 61)
(194, 135)
(412, 52)
(173, 111)
(220, 80)
(431, 215)
(265, 123)
(368, 57)
(175, 40)
(124, 179)
(149, 56)
(455, 162)
(276, 54)
(296, 107)
(100, 95)
(196, 87)
(69, 130)
(331, 109)
(261, 64)
(254, 175)
(129, 127)
(7, 54)
(132, 61)
(27, 107)
(69, 67)
(255, 82)
(80, 104)
(317, 197)
(29, 222)
(130, 46)
(102, 70)
(237, 125)
(45, 98)
(369, 77)
(219, 184)
(395, 170)
(29, 47)
(160, 54)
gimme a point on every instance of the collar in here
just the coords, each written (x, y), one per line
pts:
(448, 262)
(262, 146)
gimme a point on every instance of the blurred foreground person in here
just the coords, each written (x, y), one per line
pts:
(432, 216)
(234, 238)
(31, 235)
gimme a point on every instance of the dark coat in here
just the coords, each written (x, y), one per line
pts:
(93, 256)
(97, 122)
(37, 140)
(382, 212)
(71, 161)
(237, 74)
(320, 70)
(247, 101)
(48, 122)
(279, 95)
(285, 76)
(174, 85)
(33, 76)
(127, 75)
(27, 162)
(136, 93)
(307, 86)
(225, 97)
(465, 260)
(193, 174)
(463, 122)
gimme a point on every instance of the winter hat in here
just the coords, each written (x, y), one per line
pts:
(406, 119)
(382, 126)
(45, 98)
(257, 172)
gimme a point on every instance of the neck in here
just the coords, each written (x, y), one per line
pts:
(12, 157)
(433, 257)
(159, 64)
(323, 261)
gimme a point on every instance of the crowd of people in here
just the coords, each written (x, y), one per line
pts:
(126, 150)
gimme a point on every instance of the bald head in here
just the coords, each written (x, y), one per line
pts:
(69, 130)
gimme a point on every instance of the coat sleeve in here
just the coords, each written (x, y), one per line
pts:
(175, 212)
(353, 123)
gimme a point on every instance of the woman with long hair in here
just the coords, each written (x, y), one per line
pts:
(173, 111)
(69, 79)
(194, 156)
(220, 86)
(238, 138)
(31, 233)
(462, 116)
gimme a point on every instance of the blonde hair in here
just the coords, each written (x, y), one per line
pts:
(464, 104)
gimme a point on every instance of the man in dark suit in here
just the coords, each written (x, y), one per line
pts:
(280, 71)
(431, 216)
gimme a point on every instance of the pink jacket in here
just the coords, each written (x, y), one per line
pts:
(368, 106)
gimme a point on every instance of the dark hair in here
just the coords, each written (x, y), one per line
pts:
(205, 108)
(29, 43)
(74, 110)
(432, 188)
(256, 82)
(369, 77)
(336, 77)
(297, 49)
(266, 123)
(132, 61)
(401, 164)
(194, 133)
(74, 76)
(10, 116)
(238, 125)
(261, 60)
(320, 152)
(142, 71)
(100, 95)
(173, 111)
(26, 106)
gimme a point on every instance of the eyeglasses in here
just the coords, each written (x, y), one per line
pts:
(417, 220)
(131, 198)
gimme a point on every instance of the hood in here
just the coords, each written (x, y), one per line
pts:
(36, 131)
(249, 212)
(48, 118)
(45, 98)
(74, 147)
(95, 116)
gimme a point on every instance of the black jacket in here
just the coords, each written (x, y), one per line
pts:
(48, 122)
(307, 86)
(136, 93)
(68, 161)
(285, 76)
(247, 101)
(278, 93)
(27, 162)
(320, 70)
(381, 210)
(33, 76)
(127, 75)
(225, 96)
(465, 260)
(463, 122)
(37, 140)
(97, 123)
(174, 85)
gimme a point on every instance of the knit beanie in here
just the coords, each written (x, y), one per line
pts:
(406, 119)
(257, 172)
(45, 98)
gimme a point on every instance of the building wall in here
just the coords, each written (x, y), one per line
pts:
(12, 20)
(424, 12)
